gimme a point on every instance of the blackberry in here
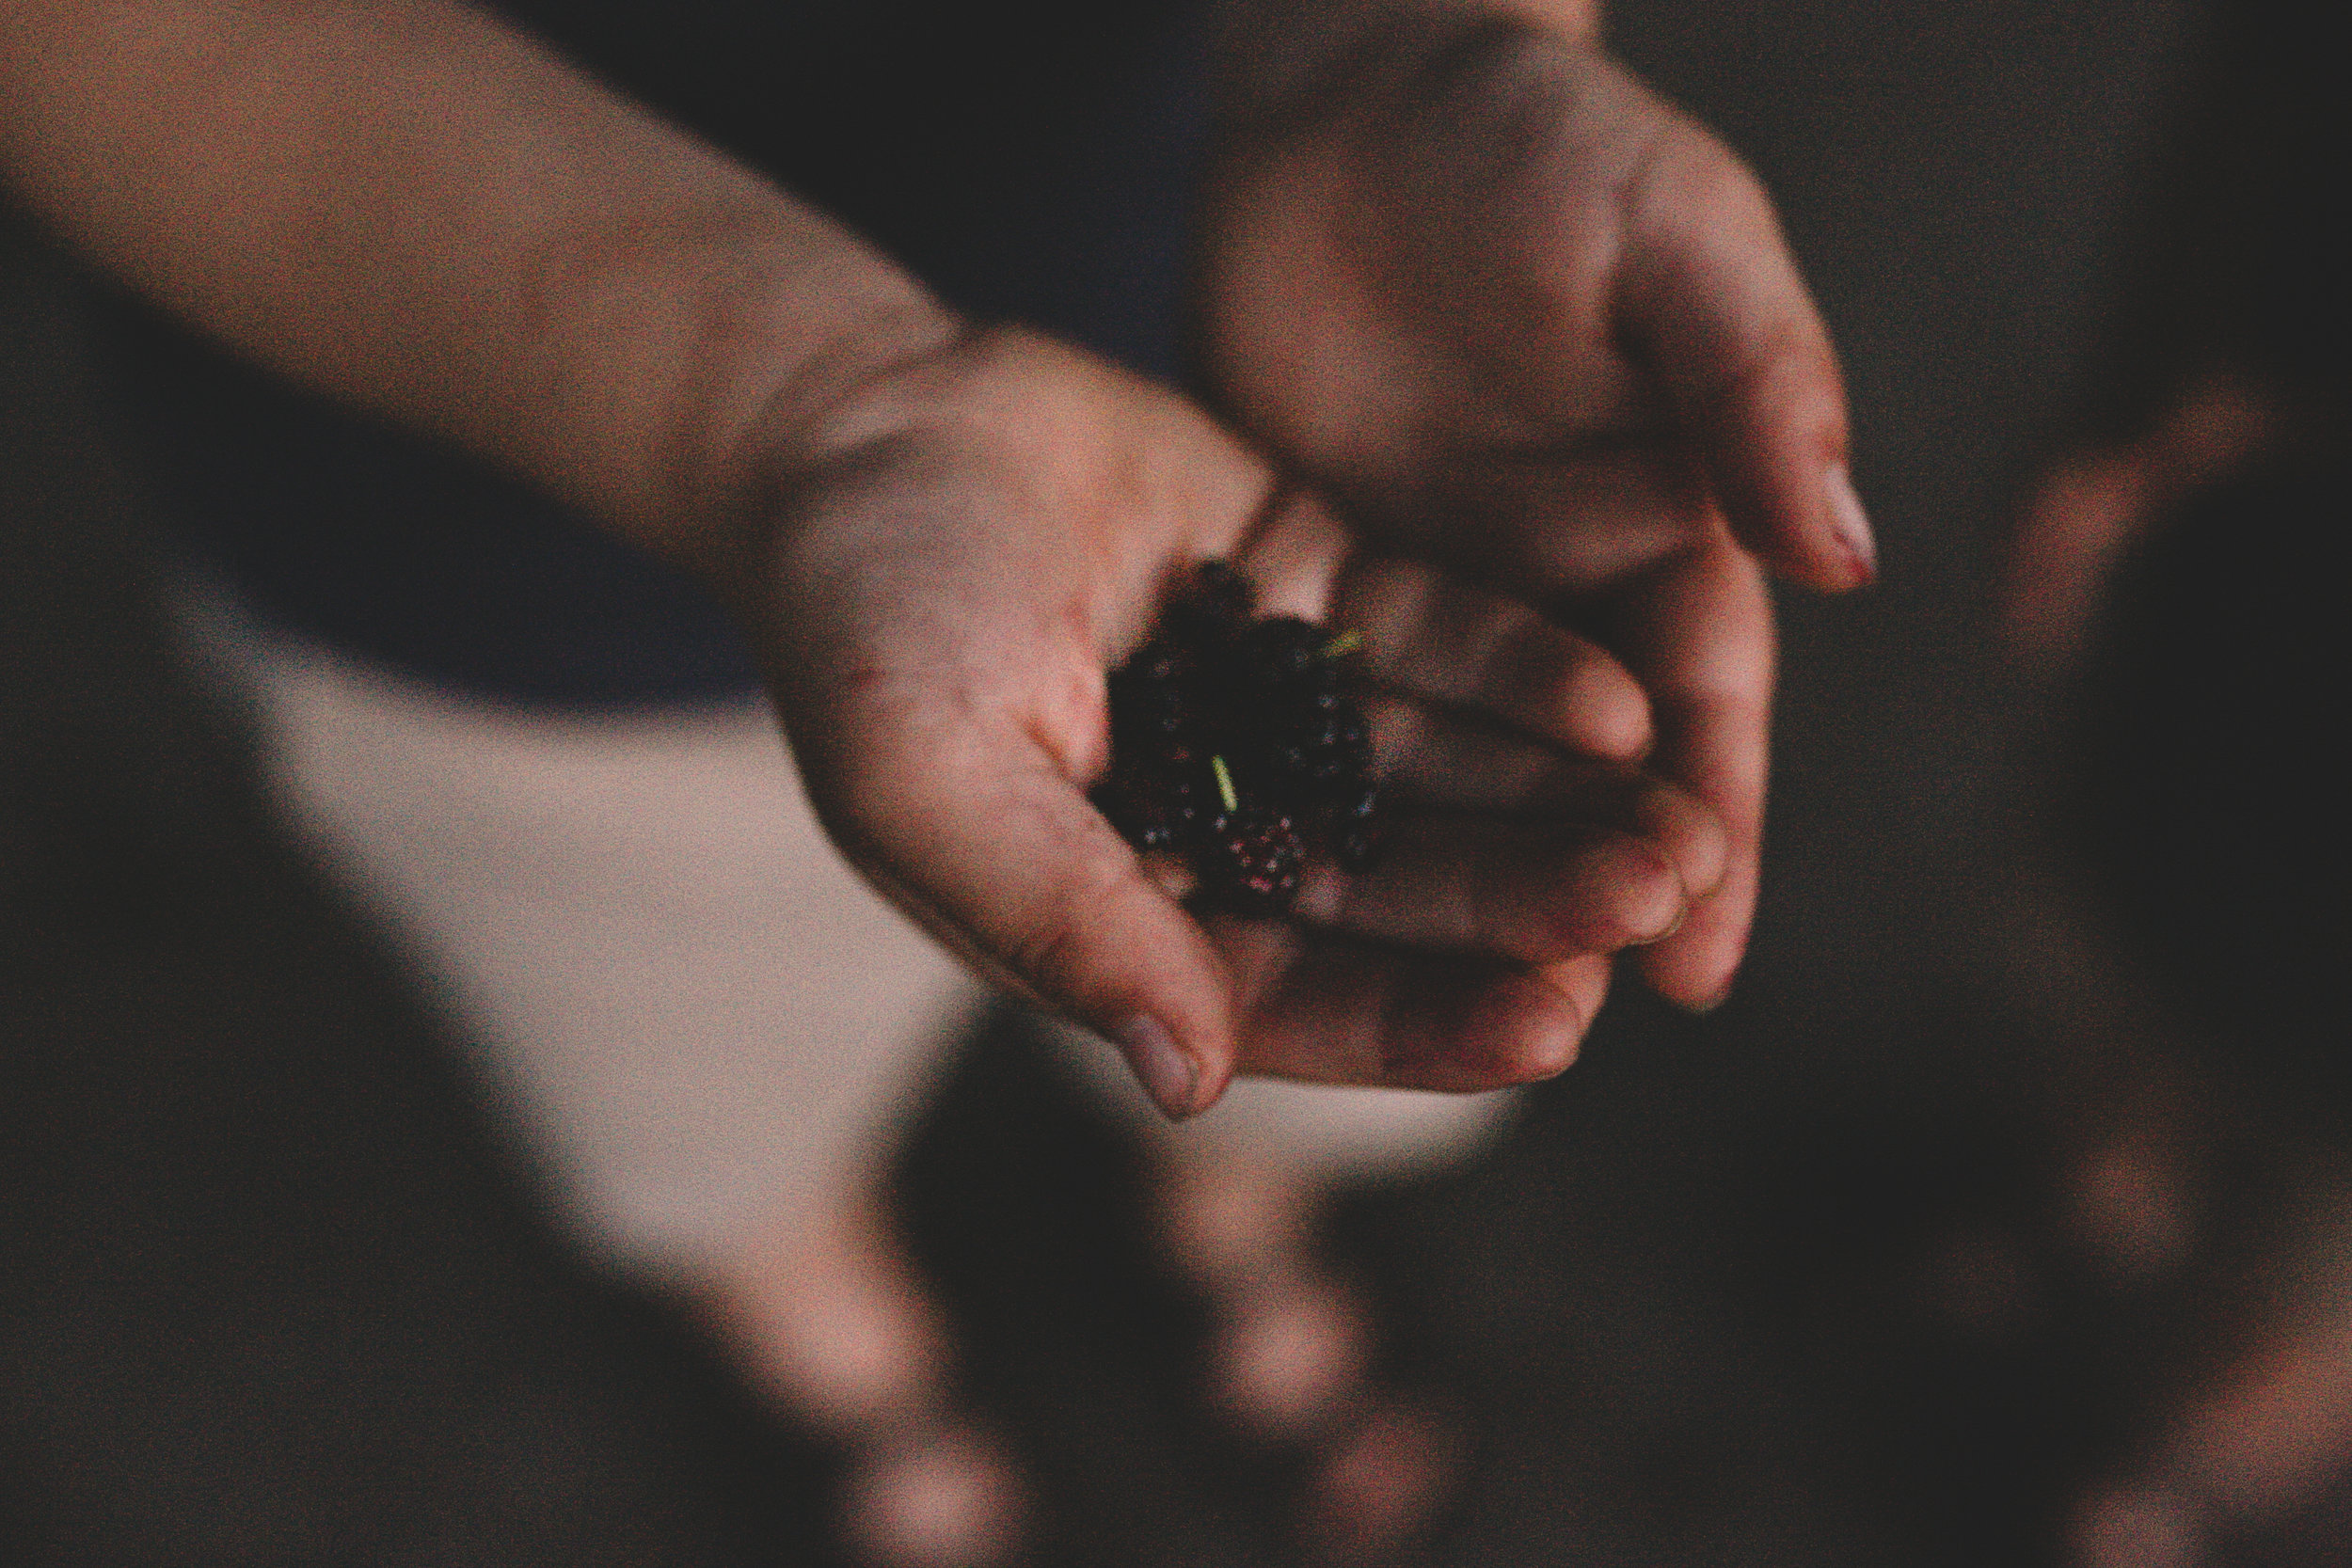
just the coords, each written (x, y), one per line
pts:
(1146, 715)
(1287, 651)
(1225, 591)
(1323, 757)
(1234, 742)
(1160, 662)
(1221, 602)
(1158, 799)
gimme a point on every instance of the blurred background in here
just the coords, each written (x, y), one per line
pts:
(1916, 1251)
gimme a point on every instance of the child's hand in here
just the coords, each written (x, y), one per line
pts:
(967, 543)
(1522, 319)
(431, 217)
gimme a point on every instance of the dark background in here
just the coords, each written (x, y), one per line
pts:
(264, 1300)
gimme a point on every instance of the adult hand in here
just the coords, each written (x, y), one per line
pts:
(1522, 319)
(955, 553)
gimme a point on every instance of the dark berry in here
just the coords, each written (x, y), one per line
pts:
(1250, 862)
(1155, 808)
(1228, 735)
(1161, 662)
(1287, 651)
(1214, 612)
(1225, 592)
(1145, 714)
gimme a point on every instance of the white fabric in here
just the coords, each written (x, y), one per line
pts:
(704, 1020)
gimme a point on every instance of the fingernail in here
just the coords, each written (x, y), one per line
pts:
(1681, 914)
(1168, 1075)
(1662, 868)
(1851, 525)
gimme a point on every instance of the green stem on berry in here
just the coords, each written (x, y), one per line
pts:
(1343, 645)
(1224, 783)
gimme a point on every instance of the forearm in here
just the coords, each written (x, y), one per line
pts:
(410, 207)
(1268, 52)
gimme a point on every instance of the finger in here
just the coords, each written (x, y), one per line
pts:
(1700, 637)
(1552, 522)
(2275, 1428)
(2132, 1526)
(1444, 638)
(1324, 1010)
(1427, 758)
(1534, 892)
(972, 828)
(1709, 299)
(1436, 637)
(1538, 523)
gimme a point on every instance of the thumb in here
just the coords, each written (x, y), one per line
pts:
(981, 835)
(1710, 301)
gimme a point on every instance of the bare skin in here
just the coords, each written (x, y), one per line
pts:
(1562, 412)
(940, 540)
(1522, 319)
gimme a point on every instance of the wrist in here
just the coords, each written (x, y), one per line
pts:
(753, 347)
(1276, 61)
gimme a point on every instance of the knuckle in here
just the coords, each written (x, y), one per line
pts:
(1679, 497)
(1531, 663)
(1543, 1058)
(1689, 832)
(1502, 84)
(1546, 1043)
(1630, 894)
(1502, 119)
(852, 802)
(1042, 948)
(1568, 1011)
(1050, 942)
(1694, 183)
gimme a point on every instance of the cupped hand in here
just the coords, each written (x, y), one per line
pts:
(958, 550)
(1524, 320)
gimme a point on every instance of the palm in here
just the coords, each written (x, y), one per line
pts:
(1524, 320)
(955, 582)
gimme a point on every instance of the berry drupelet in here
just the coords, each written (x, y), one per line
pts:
(1251, 860)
